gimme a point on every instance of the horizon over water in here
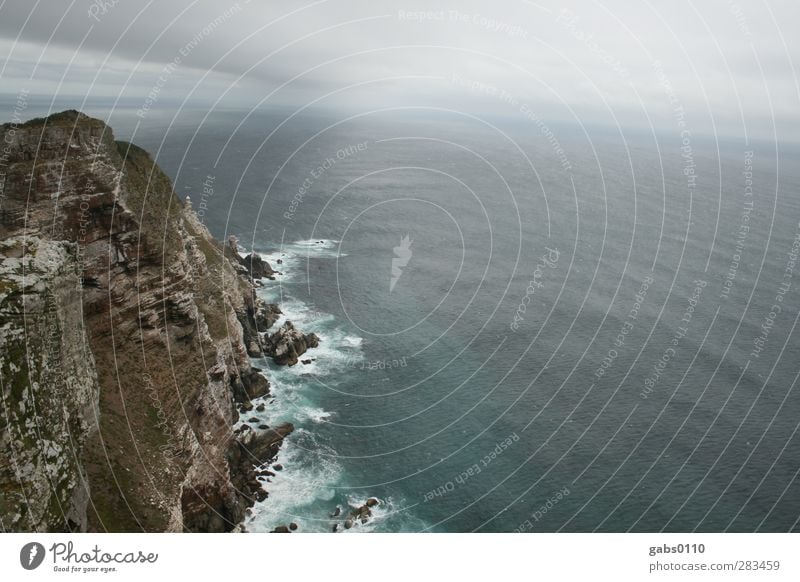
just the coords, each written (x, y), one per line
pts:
(522, 328)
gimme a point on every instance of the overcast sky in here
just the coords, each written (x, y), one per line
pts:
(729, 64)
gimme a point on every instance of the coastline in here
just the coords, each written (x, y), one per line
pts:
(306, 480)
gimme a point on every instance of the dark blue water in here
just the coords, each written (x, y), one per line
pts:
(472, 393)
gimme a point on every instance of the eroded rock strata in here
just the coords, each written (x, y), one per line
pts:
(125, 329)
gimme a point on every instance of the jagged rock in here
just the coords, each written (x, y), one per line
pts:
(248, 384)
(257, 267)
(336, 512)
(254, 350)
(260, 448)
(257, 317)
(266, 315)
(288, 343)
(251, 450)
(361, 514)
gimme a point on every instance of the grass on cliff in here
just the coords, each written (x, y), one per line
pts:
(210, 297)
(150, 198)
(68, 118)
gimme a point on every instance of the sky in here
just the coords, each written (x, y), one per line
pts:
(715, 66)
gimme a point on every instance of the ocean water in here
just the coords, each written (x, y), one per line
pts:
(521, 330)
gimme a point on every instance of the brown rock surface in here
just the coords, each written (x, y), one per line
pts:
(133, 356)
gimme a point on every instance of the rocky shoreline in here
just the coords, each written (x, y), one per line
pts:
(127, 332)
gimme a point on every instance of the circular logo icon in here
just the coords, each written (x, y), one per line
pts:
(31, 555)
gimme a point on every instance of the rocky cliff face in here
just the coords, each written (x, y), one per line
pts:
(123, 356)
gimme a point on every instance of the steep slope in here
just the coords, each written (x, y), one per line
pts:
(123, 353)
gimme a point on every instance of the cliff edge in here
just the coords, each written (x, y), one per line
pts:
(124, 334)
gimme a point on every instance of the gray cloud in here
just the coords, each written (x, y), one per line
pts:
(723, 61)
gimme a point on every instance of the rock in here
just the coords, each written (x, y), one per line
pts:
(362, 514)
(253, 420)
(260, 448)
(348, 523)
(257, 267)
(277, 467)
(335, 527)
(263, 426)
(293, 526)
(306, 362)
(265, 315)
(261, 407)
(336, 512)
(372, 502)
(281, 529)
(279, 261)
(247, 384)
(288, 343)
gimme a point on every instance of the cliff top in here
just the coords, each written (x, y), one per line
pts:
(67, 118)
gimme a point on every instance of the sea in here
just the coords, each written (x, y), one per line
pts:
(524, 326)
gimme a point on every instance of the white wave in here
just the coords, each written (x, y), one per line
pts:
(291, 258)
(303, 491)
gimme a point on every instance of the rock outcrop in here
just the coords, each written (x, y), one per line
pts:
(257, 319)
(123, 334)
(252, 264)
(286, 345)
(257, 267)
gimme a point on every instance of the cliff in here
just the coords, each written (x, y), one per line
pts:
(124, 334)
